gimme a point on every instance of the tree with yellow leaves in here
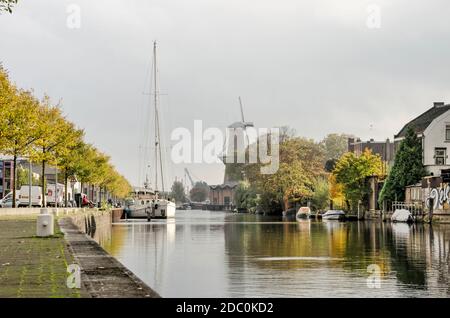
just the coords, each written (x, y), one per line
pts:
(351, 172)
(19, 122)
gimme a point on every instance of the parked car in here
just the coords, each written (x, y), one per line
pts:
(7, 201)
(36, 196)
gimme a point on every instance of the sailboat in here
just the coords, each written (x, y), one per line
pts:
(158, 207)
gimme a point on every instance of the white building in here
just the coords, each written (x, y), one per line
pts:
(433, 127)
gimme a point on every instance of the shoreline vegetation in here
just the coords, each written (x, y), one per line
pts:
(325, 175)
(317, 174)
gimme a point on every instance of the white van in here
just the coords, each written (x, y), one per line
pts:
(36, 196)
(59, 197)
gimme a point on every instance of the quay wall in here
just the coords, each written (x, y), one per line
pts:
(101, 274)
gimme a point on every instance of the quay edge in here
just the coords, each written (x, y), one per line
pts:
(102, 275)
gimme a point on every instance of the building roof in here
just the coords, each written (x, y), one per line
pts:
(420, 123)
(231, 184)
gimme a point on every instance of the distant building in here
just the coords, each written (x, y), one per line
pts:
(6, 172)
(383, 148)
(6, 177)
(433, 128)
(223, 194)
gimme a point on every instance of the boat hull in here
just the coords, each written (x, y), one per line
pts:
(333, 215)
(163, 209)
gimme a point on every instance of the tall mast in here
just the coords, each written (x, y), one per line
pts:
(155, 96)
(157, 133)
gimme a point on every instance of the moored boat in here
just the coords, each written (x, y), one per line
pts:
(156, 207)
(333, 215)
(304, 212)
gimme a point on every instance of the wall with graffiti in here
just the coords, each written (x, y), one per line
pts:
(440, 196)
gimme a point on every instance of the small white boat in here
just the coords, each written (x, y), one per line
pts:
(333, 215)
(303, 213)
(402, 215)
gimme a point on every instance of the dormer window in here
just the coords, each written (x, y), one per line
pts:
(440, 155)
(447, 132)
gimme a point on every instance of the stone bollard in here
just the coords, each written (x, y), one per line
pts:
(45, 224)
(55, 211)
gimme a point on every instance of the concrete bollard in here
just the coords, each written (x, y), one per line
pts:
(45, 224)
(55, 211)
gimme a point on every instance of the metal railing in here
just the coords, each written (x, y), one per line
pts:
(416, 208)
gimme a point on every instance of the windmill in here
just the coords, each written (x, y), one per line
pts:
(229, 150)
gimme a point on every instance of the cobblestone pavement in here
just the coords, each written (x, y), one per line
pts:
(32, 266)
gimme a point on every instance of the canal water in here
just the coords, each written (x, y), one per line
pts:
(217, 254)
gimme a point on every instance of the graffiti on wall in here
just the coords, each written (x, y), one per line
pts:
(440, 196)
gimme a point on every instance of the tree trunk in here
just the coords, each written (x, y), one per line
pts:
(285, 202)
(14, 181)
(65, 188)
(81, 193)
(44, 201)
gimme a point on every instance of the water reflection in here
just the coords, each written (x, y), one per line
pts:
(214, 254)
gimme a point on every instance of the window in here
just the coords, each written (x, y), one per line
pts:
(440, 155)
(447, 132)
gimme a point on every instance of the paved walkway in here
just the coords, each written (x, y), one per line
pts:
(102, 275)
(32, 266)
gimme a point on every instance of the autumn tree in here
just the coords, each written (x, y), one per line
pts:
(336, 191)
(351, 171)
(19, 123)
(72, 160)
(56, 136)
(300, 162)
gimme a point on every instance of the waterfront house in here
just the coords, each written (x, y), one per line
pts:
(223, 195)
(433, 128)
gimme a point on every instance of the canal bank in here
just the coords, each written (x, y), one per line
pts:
(101, 274)
(37, 267)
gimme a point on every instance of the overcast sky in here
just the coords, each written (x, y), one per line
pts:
(313, 65)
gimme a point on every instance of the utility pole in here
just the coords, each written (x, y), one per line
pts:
(56, 186)
(30, 181)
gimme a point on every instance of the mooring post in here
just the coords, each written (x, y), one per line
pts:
(430, 210)
(360, 211)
